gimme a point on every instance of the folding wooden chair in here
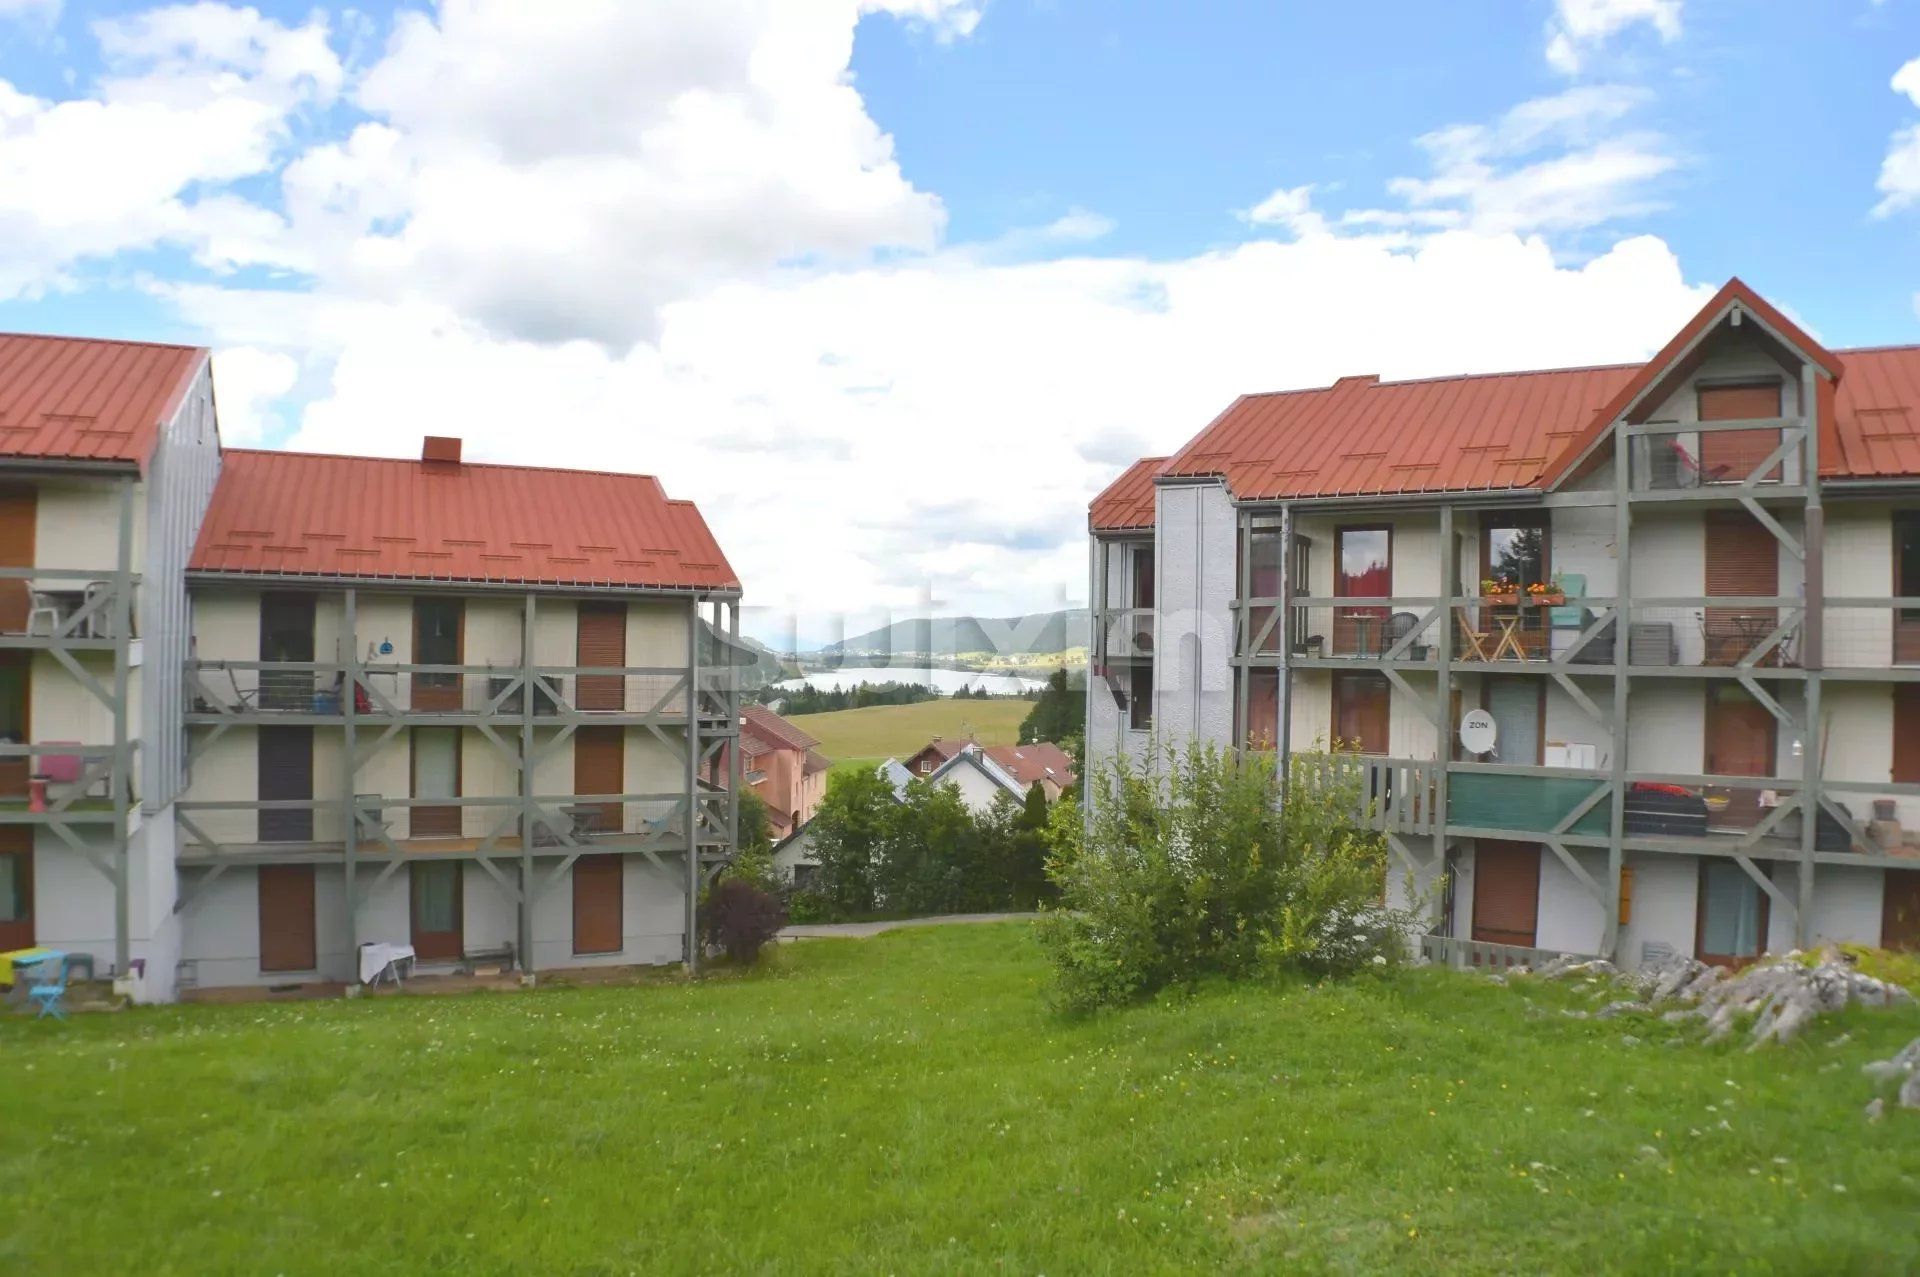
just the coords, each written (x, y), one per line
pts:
(1476, 640)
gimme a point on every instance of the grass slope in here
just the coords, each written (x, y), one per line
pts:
(906, 1104)
(879, 732)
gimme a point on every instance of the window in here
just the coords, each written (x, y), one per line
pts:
(1362, 712)
(1515, 548)
(1263, 582)
(1731, 928)
(1363, 568)
(1140, 699)
(1906, 585)
(437, 624)
(1143, 576)
(16, 892)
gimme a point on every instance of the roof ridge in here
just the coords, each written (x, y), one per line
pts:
(1439, 377)
(463, 465)
(106, 341)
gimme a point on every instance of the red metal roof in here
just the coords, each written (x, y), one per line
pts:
(1364, 437)
(85, 399)
(1876, 416)
(1128, 500)
(1028, 763)
(762, 724)
(306, 514)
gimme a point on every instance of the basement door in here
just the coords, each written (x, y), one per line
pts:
(602, 641)
(1900, 911)
(599, 767)
(1506, 892)
(438, 923)
(18, 510)
(1729, 456)
(597, 887)
(285, 772)
(287, 941)
(1741, 741)
(16, 887)
(1730, 917)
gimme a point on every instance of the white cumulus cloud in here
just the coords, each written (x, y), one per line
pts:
(1578, 27)
(1899, 181)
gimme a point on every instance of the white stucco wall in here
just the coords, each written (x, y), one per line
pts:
(1195, 565)
(652, 920)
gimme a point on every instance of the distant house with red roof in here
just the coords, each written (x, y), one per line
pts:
(783, 768)
(1044, 762)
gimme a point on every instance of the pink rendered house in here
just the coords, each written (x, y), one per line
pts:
(780, 764)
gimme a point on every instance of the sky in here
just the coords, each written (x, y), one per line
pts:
(892, 288)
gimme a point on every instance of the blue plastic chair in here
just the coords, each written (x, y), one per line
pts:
(50, 994)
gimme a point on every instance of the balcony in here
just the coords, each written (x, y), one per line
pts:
(1125, 634)
(314, 830)
(312, 692)
(1716, 459)
(70, 608)
(1663, 812)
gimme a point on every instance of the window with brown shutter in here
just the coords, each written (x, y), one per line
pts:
(1729, 456)
(1362, 712)
(1743, 560)
(1506, 892)
(18, 515)
(287, 940)
(1900, 911)
(597, 886)
(602, 643)
(1906, 734)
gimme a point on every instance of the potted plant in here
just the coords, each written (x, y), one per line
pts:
(1546, 593)
(1499, 591)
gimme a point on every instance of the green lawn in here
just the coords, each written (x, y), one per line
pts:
(880, 732)
(906, 1104)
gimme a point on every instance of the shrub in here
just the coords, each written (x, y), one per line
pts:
(1188, 867)
(740, 918)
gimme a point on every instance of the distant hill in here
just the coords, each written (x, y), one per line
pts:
(943, 636)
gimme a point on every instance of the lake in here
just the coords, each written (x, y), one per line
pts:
(946, 682)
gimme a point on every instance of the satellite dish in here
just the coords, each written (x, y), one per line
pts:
(1478, 732)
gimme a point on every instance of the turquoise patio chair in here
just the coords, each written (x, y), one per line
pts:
(49, 988)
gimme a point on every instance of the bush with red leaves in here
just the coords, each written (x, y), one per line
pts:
(739, 917)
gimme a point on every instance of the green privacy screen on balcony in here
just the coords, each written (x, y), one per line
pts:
(1527, 804)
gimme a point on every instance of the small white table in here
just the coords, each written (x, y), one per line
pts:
(385, 961)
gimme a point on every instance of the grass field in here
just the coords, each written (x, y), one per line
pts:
(880, 732)
(907, 1104)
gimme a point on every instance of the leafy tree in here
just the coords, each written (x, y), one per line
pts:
(755, 832)
(850, 834)
(1189, 868)
(1057, 715)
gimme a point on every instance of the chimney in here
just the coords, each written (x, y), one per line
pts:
(443, 449)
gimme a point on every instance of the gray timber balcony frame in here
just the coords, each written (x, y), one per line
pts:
(525, 730)
(1790, 653)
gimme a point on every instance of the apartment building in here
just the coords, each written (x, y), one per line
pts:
(1627, 657)
(108, 452)
(272, 706)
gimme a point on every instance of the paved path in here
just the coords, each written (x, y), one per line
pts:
(859, 930)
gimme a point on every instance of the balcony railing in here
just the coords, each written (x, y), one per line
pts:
(1482, 955)
(1702, 457)
(60, 606)
(1127, 633)
(481, 825)
(1753, 634)
(266, 690)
